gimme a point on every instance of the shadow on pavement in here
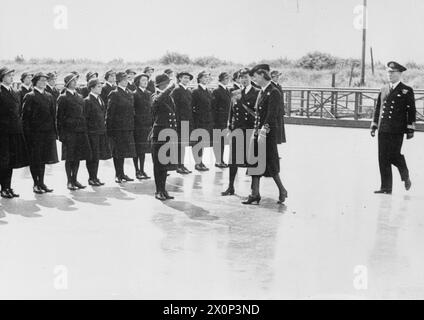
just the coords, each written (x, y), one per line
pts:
(192, 211)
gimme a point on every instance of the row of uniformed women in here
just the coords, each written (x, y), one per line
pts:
(29, 130)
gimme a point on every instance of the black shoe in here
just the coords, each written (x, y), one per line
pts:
(229, 192)
(126, 178)
(383, 192)
(283, 197)
(100, 183)
(93, 183)
(160, 196)
(72, 187)
(167, 196)
(37, 190)
(145, 176)
(408, 184)
(220, 165)
(45, 188)
(6, 194)
(139, 175)
(13, 194)
(181, 170)
(188, 171)
(79, 185)
(198, 167)
(252, 199)
(118, 180)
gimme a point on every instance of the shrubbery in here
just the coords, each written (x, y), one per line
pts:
(175, 58)
(317, 61)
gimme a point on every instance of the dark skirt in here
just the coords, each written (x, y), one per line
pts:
(76, 147)
(240, 146)
(100, 149)
(122, 144)
(13, 151)
(42, 148)
(156, 145)
(142, 143)
(272, 157)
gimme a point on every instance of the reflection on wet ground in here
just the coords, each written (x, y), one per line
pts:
(333, 239)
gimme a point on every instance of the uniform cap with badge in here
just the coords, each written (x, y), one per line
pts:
(38, 76)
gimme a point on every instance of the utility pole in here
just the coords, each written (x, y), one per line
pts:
(364, 42)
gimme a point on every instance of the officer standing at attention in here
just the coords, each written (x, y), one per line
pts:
(85, 91)
(25, 86)
(109, 86)
(394, 116)
(51, 86)
(183, 100)
(131, 74)
(164, 117)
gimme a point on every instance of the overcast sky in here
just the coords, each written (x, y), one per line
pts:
(238, 30)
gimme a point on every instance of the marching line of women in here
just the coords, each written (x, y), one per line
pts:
(123, 118)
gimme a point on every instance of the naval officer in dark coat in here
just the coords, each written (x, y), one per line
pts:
(72, 130)
(183, 100)
(131, 74)
(95, 114)
(109, 85)
(51, 86)
(151, 85)
(120, 126)
(266, 133)
(84, 91)
(26, 86)
(221, 104)
(164, 117)
(202, 114)
(394, 116)
(142, 124)
(39, 123)
(241, 118)
(13, 151)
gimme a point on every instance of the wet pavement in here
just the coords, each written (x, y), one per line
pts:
(333, 239)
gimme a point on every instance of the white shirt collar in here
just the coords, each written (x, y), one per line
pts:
(237, 85)
(49, 86)
(202, 86)
(41, 91)
(394, 85)
(264, 88)
(182, 86)
(26, 87)
(7, 87)
(125, 89)
(70, 91)
(94, 95)
(247, 89)
(222, 85)
(142, 89)
(107, 82)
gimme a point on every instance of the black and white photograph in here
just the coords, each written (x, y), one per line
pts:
(233, 151)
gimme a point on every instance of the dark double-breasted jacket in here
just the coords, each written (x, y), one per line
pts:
(221, 104)
(22, 93)
(10, 120)
(202, 108)
(54, 92)
(95, 114)
(70, 114)
(39, 113)
(164, 112)
(242, 114)
(395, 111)
(183, 100)
(106, 90)
(120, 111)
(142, 109)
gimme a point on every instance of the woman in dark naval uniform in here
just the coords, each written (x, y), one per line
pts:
(120, 126)
(164, 117)
(241, 118)
(95, 113)
(142, 123)
(13, 151)
(267, 128)
(39, 122)
(202, 114)
(72, 131)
